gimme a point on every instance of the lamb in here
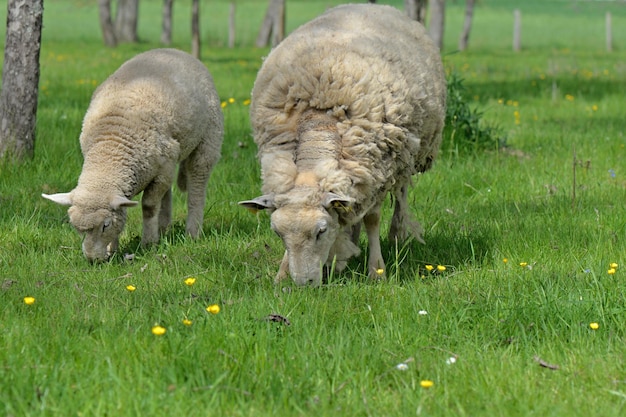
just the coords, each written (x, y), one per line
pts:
(159, 109)
(344, 111)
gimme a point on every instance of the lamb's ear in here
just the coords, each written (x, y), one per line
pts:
(260, 203)
(120, 201)
(65, 199)
(332, 200)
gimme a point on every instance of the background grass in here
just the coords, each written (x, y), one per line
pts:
(85, 346)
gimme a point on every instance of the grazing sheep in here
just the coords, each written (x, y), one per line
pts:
(159, 109)
(345, 110)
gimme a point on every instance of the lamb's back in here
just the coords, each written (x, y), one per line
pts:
(162, 91)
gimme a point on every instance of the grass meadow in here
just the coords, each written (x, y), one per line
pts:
(528, 317)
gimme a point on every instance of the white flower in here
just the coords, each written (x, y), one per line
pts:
(451, 360)
(422, 312)
(402, 366)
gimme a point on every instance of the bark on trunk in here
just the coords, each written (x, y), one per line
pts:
(106, 23)
(416, 9)
(126, 21)
(195, 28)
(20, 78)
(231, 25)
(273, 25)
(467, 24)
(166, 28)
(437, 21)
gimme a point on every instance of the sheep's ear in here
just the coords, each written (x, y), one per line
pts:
(260, 203)
(65, 199)
(120, 201)
(332, 200)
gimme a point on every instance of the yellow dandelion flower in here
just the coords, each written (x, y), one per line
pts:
(29, 300)
(594, 107)
(131, 288)
(187, 322)
(223, 104)
(231, 100)
(500, 101)
(213, 309)
(441, 268)
(523, 264)
(158, 330)
(594, 326)
(611, 271)
(380, 271)
(505, 260)
(429, 267)
(190, 281)
(426, 383)
(613, 265)
(246, 102)
(569, 97)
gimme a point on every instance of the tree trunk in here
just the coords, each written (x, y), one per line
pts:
(437, 21)
(231, 25)
(273, 24)
(166, 28)
(126, 21)
(20, 78)
(106, 23)
(416, 9)
(467, 24)
(195, 28)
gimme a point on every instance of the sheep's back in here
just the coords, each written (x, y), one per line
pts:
(162, 93)
(370, 66)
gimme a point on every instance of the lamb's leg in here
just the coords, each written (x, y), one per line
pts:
(283, 270)
(151, 206)
(402, 226)
(165, 214)
(195, 172)
(375, 264)
(356, 233)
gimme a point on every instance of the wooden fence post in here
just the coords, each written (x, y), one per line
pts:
(609, 33)
(517, 30)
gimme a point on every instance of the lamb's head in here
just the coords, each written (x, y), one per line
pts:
(309, 228)
(99, 221)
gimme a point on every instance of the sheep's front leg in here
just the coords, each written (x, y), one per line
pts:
(375, 262)
(165, 214)
(283, 270)
(153, 195)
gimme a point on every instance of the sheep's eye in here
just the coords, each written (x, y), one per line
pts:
(320, 231)
(107, 223)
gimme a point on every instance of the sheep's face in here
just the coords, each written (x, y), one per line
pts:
(100, 230)
(308, 235)
(99, 220)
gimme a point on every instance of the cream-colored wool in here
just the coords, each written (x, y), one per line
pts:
(345, 110)
(159, 109)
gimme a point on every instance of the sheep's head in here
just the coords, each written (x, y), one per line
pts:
(308, 231)
(99, 224)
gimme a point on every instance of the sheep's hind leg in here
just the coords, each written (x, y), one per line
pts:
(402, 226)
(375, 263)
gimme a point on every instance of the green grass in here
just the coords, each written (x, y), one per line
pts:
(85, 347)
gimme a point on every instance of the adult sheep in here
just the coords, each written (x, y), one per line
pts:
(344, 111)
(159, 109)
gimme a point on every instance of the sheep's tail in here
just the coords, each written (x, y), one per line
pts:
(182, 176)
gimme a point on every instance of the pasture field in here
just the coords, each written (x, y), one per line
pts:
(528, 317)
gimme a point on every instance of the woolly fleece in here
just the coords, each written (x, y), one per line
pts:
(351, 103)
